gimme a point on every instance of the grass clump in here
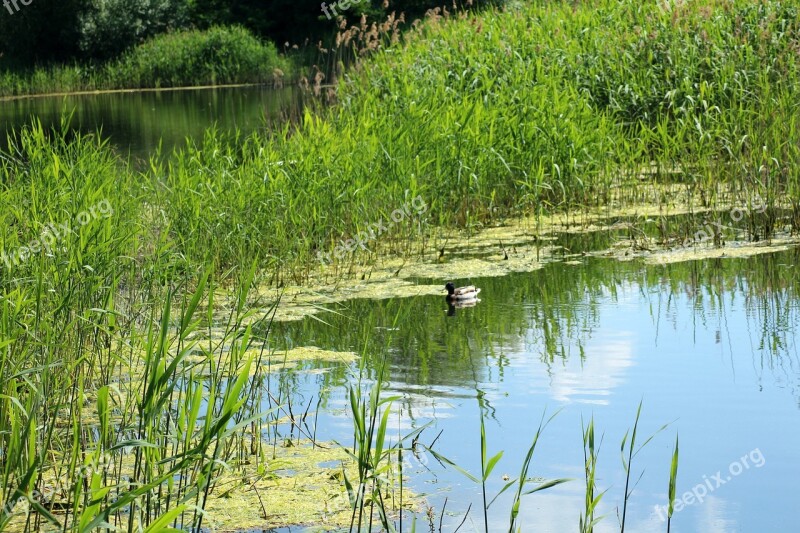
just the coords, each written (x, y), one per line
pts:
(187, 58)
(536, 108)
(540, 107)
(217, 56)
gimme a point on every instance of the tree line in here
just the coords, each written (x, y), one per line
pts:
(58, 31)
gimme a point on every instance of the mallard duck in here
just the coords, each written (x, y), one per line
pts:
(462, 293)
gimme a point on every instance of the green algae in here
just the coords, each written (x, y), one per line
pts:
(300, 485)
(284, 486)
(521, 245)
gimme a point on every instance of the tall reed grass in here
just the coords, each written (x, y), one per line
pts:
(535, 108)
(188, 58)
(532, 109)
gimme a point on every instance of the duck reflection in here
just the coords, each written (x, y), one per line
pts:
(452, 305)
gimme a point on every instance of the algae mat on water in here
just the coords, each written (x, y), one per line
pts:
(302, 485)
(523, 245)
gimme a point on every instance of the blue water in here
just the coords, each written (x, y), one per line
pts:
(707, 347)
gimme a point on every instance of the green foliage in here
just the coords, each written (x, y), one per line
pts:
(110, 27)
(49, 32)
(484, 118)
(591, 502)
(511, 113)
(215, 56)
(82, 318)
(673, 481)
(183, 58)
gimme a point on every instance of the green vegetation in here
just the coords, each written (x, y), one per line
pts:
(673, 480)
(502, 115)
(591, 502)
(65, 46)
(538, 108)
(216, 56)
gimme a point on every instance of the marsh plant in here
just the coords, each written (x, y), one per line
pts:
(378, 487)
(52, 233)
(699, 492)
(591, 451)
(415, 206)
(485, 117)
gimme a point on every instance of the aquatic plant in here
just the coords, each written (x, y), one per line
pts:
(186, 58)
(627, 462)
(374, 457)
(673, 479)
(536, 109)
(591, 502)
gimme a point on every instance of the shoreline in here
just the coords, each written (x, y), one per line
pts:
(144, 90)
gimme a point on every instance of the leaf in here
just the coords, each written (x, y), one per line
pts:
(164, 520)
(548, 484)
(491, 464)
(673, 477)
(447, 461)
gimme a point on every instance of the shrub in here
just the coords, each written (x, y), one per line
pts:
(109, 27)
(218, 55)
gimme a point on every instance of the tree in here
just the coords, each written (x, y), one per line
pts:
(109, 27)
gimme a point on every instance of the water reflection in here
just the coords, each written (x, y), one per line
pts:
(139, 122)
(452, 305)
(709, 346)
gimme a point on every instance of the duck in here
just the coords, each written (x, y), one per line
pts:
(461, 294)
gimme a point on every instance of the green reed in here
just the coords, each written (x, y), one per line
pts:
(541, 107)
(498, 115)
(591, 502)
(673, 481)
(628, 451)
(374, 457)
(102, 418)
(188, 58)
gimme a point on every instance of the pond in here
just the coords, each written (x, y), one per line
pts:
(136, 123)
(708, 347)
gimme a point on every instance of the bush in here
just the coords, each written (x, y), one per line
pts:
(218, 55)
(109, 27)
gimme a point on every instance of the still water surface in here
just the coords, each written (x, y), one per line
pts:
(708, 347)
(137, 122)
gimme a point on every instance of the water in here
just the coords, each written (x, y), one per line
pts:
(137, 122)
(708, 347)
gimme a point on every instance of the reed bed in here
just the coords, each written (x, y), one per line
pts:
(528, 110)
(188, 58)
(539, 107)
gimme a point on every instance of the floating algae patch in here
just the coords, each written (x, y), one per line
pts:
(266, 360)
(312, 353)
(296, 303)
(381, 288)
(302, 486)
(522, 245)
(521, 261)
(729, 250)
(655, 253)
